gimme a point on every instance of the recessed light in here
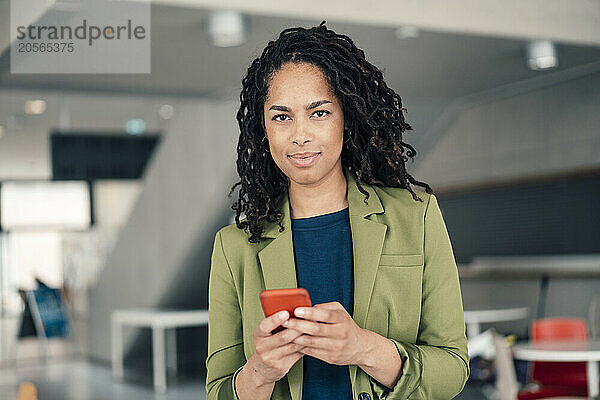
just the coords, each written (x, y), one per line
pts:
(135, 126)
(35, 107)
(227, 28)
(407, 32)
(541, 55)
(166, 111)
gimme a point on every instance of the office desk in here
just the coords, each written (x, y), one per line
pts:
(159, 321)
(474, 318)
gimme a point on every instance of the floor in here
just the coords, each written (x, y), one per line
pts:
(68, 375)
(79, 379)
(75, 378)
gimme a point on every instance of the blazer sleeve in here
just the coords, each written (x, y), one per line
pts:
(225, 357)
(437, 365)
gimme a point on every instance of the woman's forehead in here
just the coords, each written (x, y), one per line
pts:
(299, 84)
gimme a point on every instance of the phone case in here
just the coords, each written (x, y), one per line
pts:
(276, 300)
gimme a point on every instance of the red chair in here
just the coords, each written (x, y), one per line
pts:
(559, 328)
(558, 379)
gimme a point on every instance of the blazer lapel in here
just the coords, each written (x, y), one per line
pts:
(367, 244)
(279, 267)
(279, 272)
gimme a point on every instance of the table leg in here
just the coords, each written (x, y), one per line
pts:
(543, 296)
(117, 349)
(593, 379)
(1, 335)
(159, 359)
(172, 350)
(473, 329)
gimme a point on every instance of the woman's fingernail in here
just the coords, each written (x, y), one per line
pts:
(283, 315)
(299, 312)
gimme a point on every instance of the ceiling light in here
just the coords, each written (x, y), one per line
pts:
(166, 111)
(35, 107)
(227, 28)
(541, 55)
(135, 126)
(407, 32)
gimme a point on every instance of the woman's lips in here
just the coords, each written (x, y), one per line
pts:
(304, 162)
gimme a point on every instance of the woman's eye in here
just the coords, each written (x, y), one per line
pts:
(277, 116)
(282, 117)
(325, 112)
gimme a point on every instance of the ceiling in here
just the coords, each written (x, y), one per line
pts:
(434, 65)
(429, 72)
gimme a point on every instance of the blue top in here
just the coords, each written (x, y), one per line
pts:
(323, 254)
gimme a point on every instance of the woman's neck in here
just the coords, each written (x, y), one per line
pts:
(324, 197)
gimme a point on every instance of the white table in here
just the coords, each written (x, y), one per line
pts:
(474, 318)
(159, 321)
(565, 351)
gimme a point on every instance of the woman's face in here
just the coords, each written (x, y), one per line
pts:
(303, 116)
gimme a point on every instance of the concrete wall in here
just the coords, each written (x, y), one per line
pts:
(550, 130)
(182, 204)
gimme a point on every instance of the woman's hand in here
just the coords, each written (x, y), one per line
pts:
(337, 340)
(275, 354)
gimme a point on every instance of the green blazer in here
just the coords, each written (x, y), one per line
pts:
(406, 288)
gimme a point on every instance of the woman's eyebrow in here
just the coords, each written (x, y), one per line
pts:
(312, 105)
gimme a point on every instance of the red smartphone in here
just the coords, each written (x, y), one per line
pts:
(276, 300)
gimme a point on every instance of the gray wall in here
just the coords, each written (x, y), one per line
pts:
(181, 206)
(550, 130)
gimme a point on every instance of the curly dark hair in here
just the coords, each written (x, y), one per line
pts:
(373, 117)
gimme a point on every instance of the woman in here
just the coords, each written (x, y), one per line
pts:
(329, 207)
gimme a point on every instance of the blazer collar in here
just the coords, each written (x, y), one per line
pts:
(356, 205)
(279, 268)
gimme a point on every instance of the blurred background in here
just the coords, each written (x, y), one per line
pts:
(112, 186)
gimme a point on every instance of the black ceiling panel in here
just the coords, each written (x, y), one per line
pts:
(97, 155)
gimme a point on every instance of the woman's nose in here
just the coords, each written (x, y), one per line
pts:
(300, 134)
